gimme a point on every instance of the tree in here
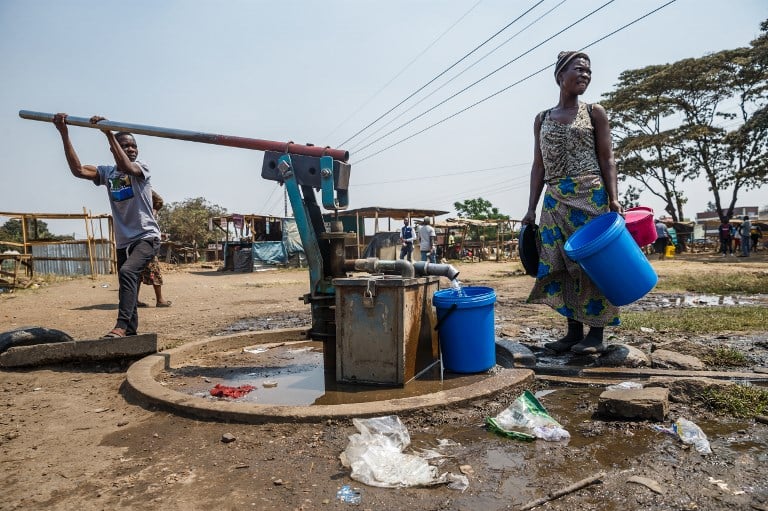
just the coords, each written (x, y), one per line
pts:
(187, 222)
(645, 151)
(671, 124)
(36, 230)
(479, 209)
(733, 159)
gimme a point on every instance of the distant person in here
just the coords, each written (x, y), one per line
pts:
(137, 234)
(755, 234)
(662, 238)
(407, 237)
(451, 245)
(573, 158)
(726, 242)
(151, 275)
(737, 239)
(744, 231)
(427, 237)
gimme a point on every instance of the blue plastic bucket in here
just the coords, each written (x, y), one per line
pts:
(466, 328)
(607, 253)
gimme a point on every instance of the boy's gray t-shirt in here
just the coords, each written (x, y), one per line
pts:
(130, 198)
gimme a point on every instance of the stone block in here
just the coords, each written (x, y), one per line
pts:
(513, 354)
(133, 346)
(37, 354)
(623, 355)
(666, 359)
(116, 347)
(644, 404)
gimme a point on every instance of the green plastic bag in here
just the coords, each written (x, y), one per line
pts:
(526, 419)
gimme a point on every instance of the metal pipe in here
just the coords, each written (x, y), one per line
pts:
(196, 136)
(375, 265)
(401, 266)
(369, 265)
(441, 270)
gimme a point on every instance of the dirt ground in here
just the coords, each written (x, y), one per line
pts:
(71, 437)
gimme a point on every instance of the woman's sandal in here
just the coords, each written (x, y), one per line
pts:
(166, 303)
(113, 334)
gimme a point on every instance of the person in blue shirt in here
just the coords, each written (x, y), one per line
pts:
(662, 238)
(407, 237)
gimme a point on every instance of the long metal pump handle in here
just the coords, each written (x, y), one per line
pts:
(196, 136)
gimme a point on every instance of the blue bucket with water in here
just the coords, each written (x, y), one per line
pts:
(466, 328)
(606, 251)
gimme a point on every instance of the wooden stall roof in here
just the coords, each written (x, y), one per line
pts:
(396, 213)
(250, 216)
(453, 223)
(54, 216)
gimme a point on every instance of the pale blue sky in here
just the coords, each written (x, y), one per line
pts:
(310, 72)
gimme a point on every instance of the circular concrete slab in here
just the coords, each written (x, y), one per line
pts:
(141, 379)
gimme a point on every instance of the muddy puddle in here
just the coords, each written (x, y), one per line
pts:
(293, 374)
(671, 300)
(522, 471)
(271, 321)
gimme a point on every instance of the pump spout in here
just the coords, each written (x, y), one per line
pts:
(441, 270)
(375, 265)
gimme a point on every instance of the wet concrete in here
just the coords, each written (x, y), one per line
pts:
(293, 374)
(180, 379)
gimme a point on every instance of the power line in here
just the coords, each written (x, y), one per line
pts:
(442, 175)
(511, 85)
(526, 52)
(440, 87)
(439, 75)
(265, 210)
(417, 57)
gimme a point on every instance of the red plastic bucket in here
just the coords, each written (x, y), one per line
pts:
(640, 224)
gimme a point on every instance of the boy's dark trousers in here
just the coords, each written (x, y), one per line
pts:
(130, 262)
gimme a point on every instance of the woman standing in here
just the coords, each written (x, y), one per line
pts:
(574, 158)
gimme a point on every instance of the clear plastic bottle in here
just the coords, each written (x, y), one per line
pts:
(690, 433)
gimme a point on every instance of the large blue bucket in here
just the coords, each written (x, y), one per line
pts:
(466, 328)
(607, 253)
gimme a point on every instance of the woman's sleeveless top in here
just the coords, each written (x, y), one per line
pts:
(568, 149)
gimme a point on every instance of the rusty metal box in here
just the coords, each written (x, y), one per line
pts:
(385, 328)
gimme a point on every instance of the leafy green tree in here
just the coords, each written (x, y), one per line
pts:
(644, 151)
(672, 126)
(187, 221)
(735, 159)
(479, 209)
(36, 230)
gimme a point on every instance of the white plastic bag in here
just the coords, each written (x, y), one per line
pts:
(625, 385)
(376, 457)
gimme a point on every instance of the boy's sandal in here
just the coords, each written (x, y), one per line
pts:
(113, 334)
(166, 303)
(141, 304)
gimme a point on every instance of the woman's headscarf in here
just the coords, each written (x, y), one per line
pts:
(565, 57)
